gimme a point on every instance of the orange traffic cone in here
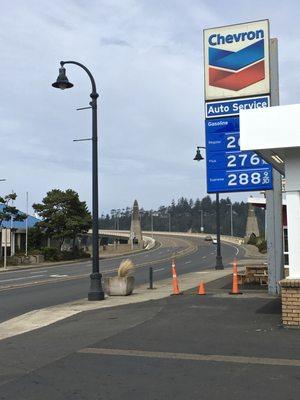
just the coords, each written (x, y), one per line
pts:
(235, 285)
(201, 289)
(175, 280)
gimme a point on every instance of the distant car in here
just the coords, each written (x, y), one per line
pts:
(214, 240)
(208, 238)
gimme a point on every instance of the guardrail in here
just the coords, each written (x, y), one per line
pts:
(125, 234)
(225, 238)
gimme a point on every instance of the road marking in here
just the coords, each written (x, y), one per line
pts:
(188, 262)
(204, 257)
(19, 279)
(187, 251)
(58, 276)
(39, 271)
(236, 249)
(160, 269)
(193, 357)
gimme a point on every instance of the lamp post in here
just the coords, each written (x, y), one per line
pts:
(231, 219)
(219, 262)
(201, 222)
(62, 82)
(152, 224)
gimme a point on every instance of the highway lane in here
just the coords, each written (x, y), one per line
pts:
(27, 290)
(31, 276)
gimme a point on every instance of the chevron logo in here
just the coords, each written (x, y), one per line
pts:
(236, 70)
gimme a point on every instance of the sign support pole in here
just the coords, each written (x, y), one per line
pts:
(274, 197)
(5, 249)
(219, 261)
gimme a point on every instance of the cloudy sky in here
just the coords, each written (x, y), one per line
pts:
(146, 56)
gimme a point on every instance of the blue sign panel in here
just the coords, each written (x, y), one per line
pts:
(227, 108)
(228, 168)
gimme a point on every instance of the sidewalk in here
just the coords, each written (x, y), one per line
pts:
(43, 317)
(213, 347)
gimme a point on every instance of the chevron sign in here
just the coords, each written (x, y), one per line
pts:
(237, 60)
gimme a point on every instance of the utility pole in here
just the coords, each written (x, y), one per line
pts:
(201, 221)
(26, 226)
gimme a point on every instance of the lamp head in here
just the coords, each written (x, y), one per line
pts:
(198, 156)
(62, 82)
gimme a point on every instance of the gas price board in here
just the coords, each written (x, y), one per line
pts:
(228, 168)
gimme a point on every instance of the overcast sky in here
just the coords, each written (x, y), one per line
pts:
(146, 56)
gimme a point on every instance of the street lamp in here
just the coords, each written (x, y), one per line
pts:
(231, 219)
(219, 262)
(201, 227)
(62, 82)
(152, 224)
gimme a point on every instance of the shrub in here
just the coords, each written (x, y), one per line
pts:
(51, 254)
(71, 255)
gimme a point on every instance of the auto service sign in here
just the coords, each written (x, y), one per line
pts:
(236, 60)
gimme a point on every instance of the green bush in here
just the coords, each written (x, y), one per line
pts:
(51, 254)
(71, 255)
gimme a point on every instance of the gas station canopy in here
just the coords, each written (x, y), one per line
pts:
(274, 133)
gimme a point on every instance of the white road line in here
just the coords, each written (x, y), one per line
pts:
(188, 262)
(39, 271)
(19, 279)
(160, 269)
(204, 257)
(237, 250)
(58, 276)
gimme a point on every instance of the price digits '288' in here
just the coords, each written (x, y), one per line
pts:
(248, 178)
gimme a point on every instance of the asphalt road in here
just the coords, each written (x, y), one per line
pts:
(35, 288)
(181, 347)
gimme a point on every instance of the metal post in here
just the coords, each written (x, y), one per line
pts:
(5, 248)
(231, 220)
(274, 197)
(26, 226)
(152, 224)
(96, 290)
(219, 262)
(201, 227)
(150, 278)
(12, 239)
